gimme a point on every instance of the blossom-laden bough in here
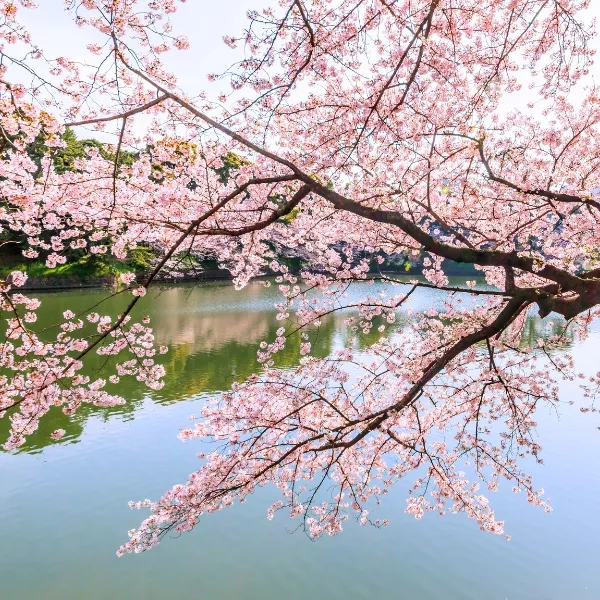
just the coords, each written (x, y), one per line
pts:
(361, 128)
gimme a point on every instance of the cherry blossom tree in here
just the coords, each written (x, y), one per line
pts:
(361, 126)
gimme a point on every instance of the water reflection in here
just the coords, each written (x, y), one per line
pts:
(213, 334)
(64, 510)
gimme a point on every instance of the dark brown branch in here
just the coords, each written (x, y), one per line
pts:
(506, 316)
(557, 197)
(125, 115)
(490, 258)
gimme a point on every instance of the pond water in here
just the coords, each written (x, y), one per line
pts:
(64, 504)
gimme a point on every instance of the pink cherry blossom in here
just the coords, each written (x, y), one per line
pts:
(354, 131)
(18, 278)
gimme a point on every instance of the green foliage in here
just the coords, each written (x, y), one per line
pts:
(64, 158)
(80, 263)
(231, 162)
(90, 265)
(287, 219)
(140, 258)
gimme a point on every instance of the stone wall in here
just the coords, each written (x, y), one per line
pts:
(61, 283)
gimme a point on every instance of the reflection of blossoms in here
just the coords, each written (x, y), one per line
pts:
(57, 434)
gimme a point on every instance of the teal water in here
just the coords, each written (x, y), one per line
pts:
(64, 504)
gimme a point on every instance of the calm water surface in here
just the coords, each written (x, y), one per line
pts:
(64, 504)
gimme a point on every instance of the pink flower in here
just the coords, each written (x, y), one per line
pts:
(18, 278)
(127, 278)
(57, 434)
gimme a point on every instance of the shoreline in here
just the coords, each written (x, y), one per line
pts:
(72, 283)
(40, 284)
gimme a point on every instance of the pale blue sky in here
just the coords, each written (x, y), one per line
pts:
(204, 22)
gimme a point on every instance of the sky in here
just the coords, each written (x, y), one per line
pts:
(204, 22)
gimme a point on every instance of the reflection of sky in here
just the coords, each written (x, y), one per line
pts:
(65, 512)
(213, 333)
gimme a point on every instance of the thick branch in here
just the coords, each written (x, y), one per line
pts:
(489, 258)
(124, 115)
(506, 316)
